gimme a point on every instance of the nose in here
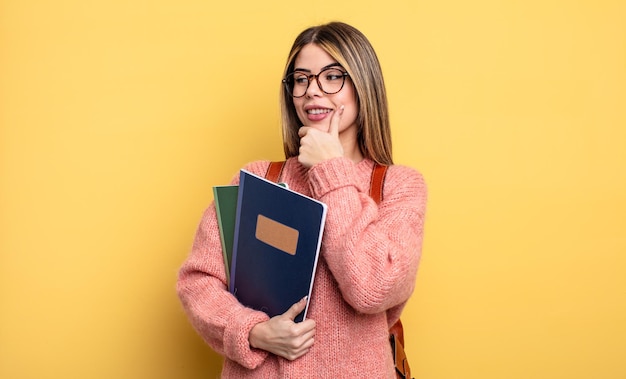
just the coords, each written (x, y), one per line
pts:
(313, 89)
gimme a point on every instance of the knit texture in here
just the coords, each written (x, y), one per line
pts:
(366, 272)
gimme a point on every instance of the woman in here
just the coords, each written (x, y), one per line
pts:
(335, 128)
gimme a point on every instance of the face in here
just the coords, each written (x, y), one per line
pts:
(316, 108)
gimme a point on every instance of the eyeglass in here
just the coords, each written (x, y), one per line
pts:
(330, 81)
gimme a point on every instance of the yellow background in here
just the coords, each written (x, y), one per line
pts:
(117, 117)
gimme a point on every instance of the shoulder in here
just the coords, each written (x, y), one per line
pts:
(401, 179)
(401, 173)
(261, 167)
(256, 167)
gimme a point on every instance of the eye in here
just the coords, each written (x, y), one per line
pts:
(300, 79)
(332, 75)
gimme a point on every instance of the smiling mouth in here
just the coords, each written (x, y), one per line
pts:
(318, 111)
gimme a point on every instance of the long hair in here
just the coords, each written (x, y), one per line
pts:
(351, 49)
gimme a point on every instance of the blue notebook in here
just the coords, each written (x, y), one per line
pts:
(226, 209)
(278, 234)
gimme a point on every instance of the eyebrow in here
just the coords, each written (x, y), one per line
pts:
(323, 68)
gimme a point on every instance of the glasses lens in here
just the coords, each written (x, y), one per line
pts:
(331, 80)
(296, 83)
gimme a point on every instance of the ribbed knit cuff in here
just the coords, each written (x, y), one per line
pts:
(330, 175)
(236, 344)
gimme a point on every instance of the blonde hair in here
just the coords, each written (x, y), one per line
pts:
(351, 49)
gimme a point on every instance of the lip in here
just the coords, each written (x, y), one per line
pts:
(309, 107)
(317, 117)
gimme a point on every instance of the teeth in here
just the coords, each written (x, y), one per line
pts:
(318, 111)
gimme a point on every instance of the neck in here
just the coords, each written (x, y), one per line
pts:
(350, 146)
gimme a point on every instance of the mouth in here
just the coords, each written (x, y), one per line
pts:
(316, 111)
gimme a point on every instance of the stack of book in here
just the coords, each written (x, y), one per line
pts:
(271, 238)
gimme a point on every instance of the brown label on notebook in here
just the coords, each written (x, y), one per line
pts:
(277, 235)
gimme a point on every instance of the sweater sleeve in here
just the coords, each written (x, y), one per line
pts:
(372, 250)
(217, 316)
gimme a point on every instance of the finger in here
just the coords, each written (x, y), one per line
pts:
(296, 309)
(306, 346)
(303, 346)
(292, 356)
(334, 121)
(302, 131)
(303, 337)
(309, 331)
(306, 328)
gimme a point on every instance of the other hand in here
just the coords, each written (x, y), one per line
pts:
(282, 336)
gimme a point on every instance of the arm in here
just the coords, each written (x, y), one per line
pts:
(217, 316)
(234, 331)
(372, 250)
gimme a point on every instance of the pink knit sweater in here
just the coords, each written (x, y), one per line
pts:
(366, 273)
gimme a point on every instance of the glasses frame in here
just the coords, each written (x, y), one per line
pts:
(310, 77)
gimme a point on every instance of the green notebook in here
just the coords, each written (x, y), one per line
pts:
(226, 209)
